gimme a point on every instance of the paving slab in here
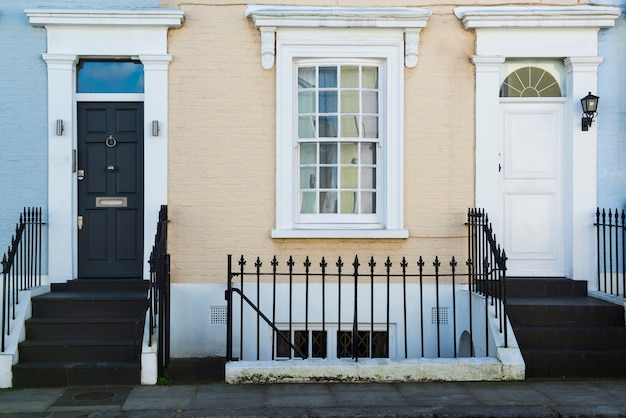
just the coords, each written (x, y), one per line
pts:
(506, 393)
(432, 394)
(583, 393)
(225, 397)
(28, 400)
(161, 397)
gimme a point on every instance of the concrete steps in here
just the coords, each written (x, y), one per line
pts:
(84, 332)
(562, 332)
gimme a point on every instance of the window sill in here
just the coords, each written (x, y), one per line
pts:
(341, 233)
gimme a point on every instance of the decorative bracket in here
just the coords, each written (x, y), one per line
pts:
(268, 47)
(411, 39)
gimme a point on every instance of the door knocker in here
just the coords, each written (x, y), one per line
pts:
(111, 142)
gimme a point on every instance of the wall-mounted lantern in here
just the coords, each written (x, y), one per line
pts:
(590, 110)
(60, 127)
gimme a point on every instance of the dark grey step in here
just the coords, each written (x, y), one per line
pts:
(89, 304)
(85, 328)
(568, 338)
(575, 363)
(44, 351)
(31, 375)
(564, 311)
(95, 285)
(541, 286)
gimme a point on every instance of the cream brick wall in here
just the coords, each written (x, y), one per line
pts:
(222, 144)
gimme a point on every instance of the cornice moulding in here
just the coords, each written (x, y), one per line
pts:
(157, 17)
(537, 16)
(337, 17)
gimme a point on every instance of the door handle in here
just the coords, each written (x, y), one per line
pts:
(80, 222)
(80, 175)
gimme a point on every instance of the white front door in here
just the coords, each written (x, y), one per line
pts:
(531, 187)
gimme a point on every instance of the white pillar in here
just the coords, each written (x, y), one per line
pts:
(487, 133)
(155, 68)
(582, 78)
(61, 179)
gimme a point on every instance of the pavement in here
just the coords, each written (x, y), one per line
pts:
(530, 398)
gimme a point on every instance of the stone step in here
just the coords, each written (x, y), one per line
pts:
(571, 338)
(86, 328)
(76, 351)
(58, 374)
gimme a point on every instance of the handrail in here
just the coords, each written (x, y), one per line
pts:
(21, 266)
(611, 251)
(270, 323)
(488, 264)
(159, 293)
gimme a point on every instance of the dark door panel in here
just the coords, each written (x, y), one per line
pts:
(110, 194)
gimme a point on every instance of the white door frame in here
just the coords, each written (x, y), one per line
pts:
(76, 33)
(560, 32)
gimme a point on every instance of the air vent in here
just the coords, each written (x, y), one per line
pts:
(443, 315)
(219, 315)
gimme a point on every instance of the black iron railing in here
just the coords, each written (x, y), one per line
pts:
(21, 265)
(611, 251)
(159, 309)
(307, 308)
(487, 265)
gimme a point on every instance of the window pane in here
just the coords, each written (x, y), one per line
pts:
(349, 177)
(110, 77)
(306, 127)
(282, 348)
(328, 127)
(306, 102)
(306, 77)
(308, 153)
(348, 202)
(328, 202)
(328, 178)
(368, 153)
(328, 153)
(349, 77)
(350, 101)
(350, 126)
(349, 152)
(328, 101)
(370, 102)
(370, 127)
(307, 178)
(370, 77)
(308, 202)
(368, 202)
(328, 77)
(368, 178)
(318, 343)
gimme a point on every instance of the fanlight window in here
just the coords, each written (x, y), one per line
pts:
(109, 76)
(530, 82)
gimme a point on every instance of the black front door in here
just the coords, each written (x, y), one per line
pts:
(110, 190)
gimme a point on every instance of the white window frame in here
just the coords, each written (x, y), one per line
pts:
(338, 220)
(387, 35)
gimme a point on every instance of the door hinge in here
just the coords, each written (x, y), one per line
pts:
(80, 222)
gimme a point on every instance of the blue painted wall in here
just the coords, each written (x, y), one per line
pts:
(23, 107)
(612, 114)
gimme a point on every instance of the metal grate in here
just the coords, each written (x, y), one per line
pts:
(443, 315)
(219, 315)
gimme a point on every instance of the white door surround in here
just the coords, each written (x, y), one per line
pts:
(560, 32)
(101, 33)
